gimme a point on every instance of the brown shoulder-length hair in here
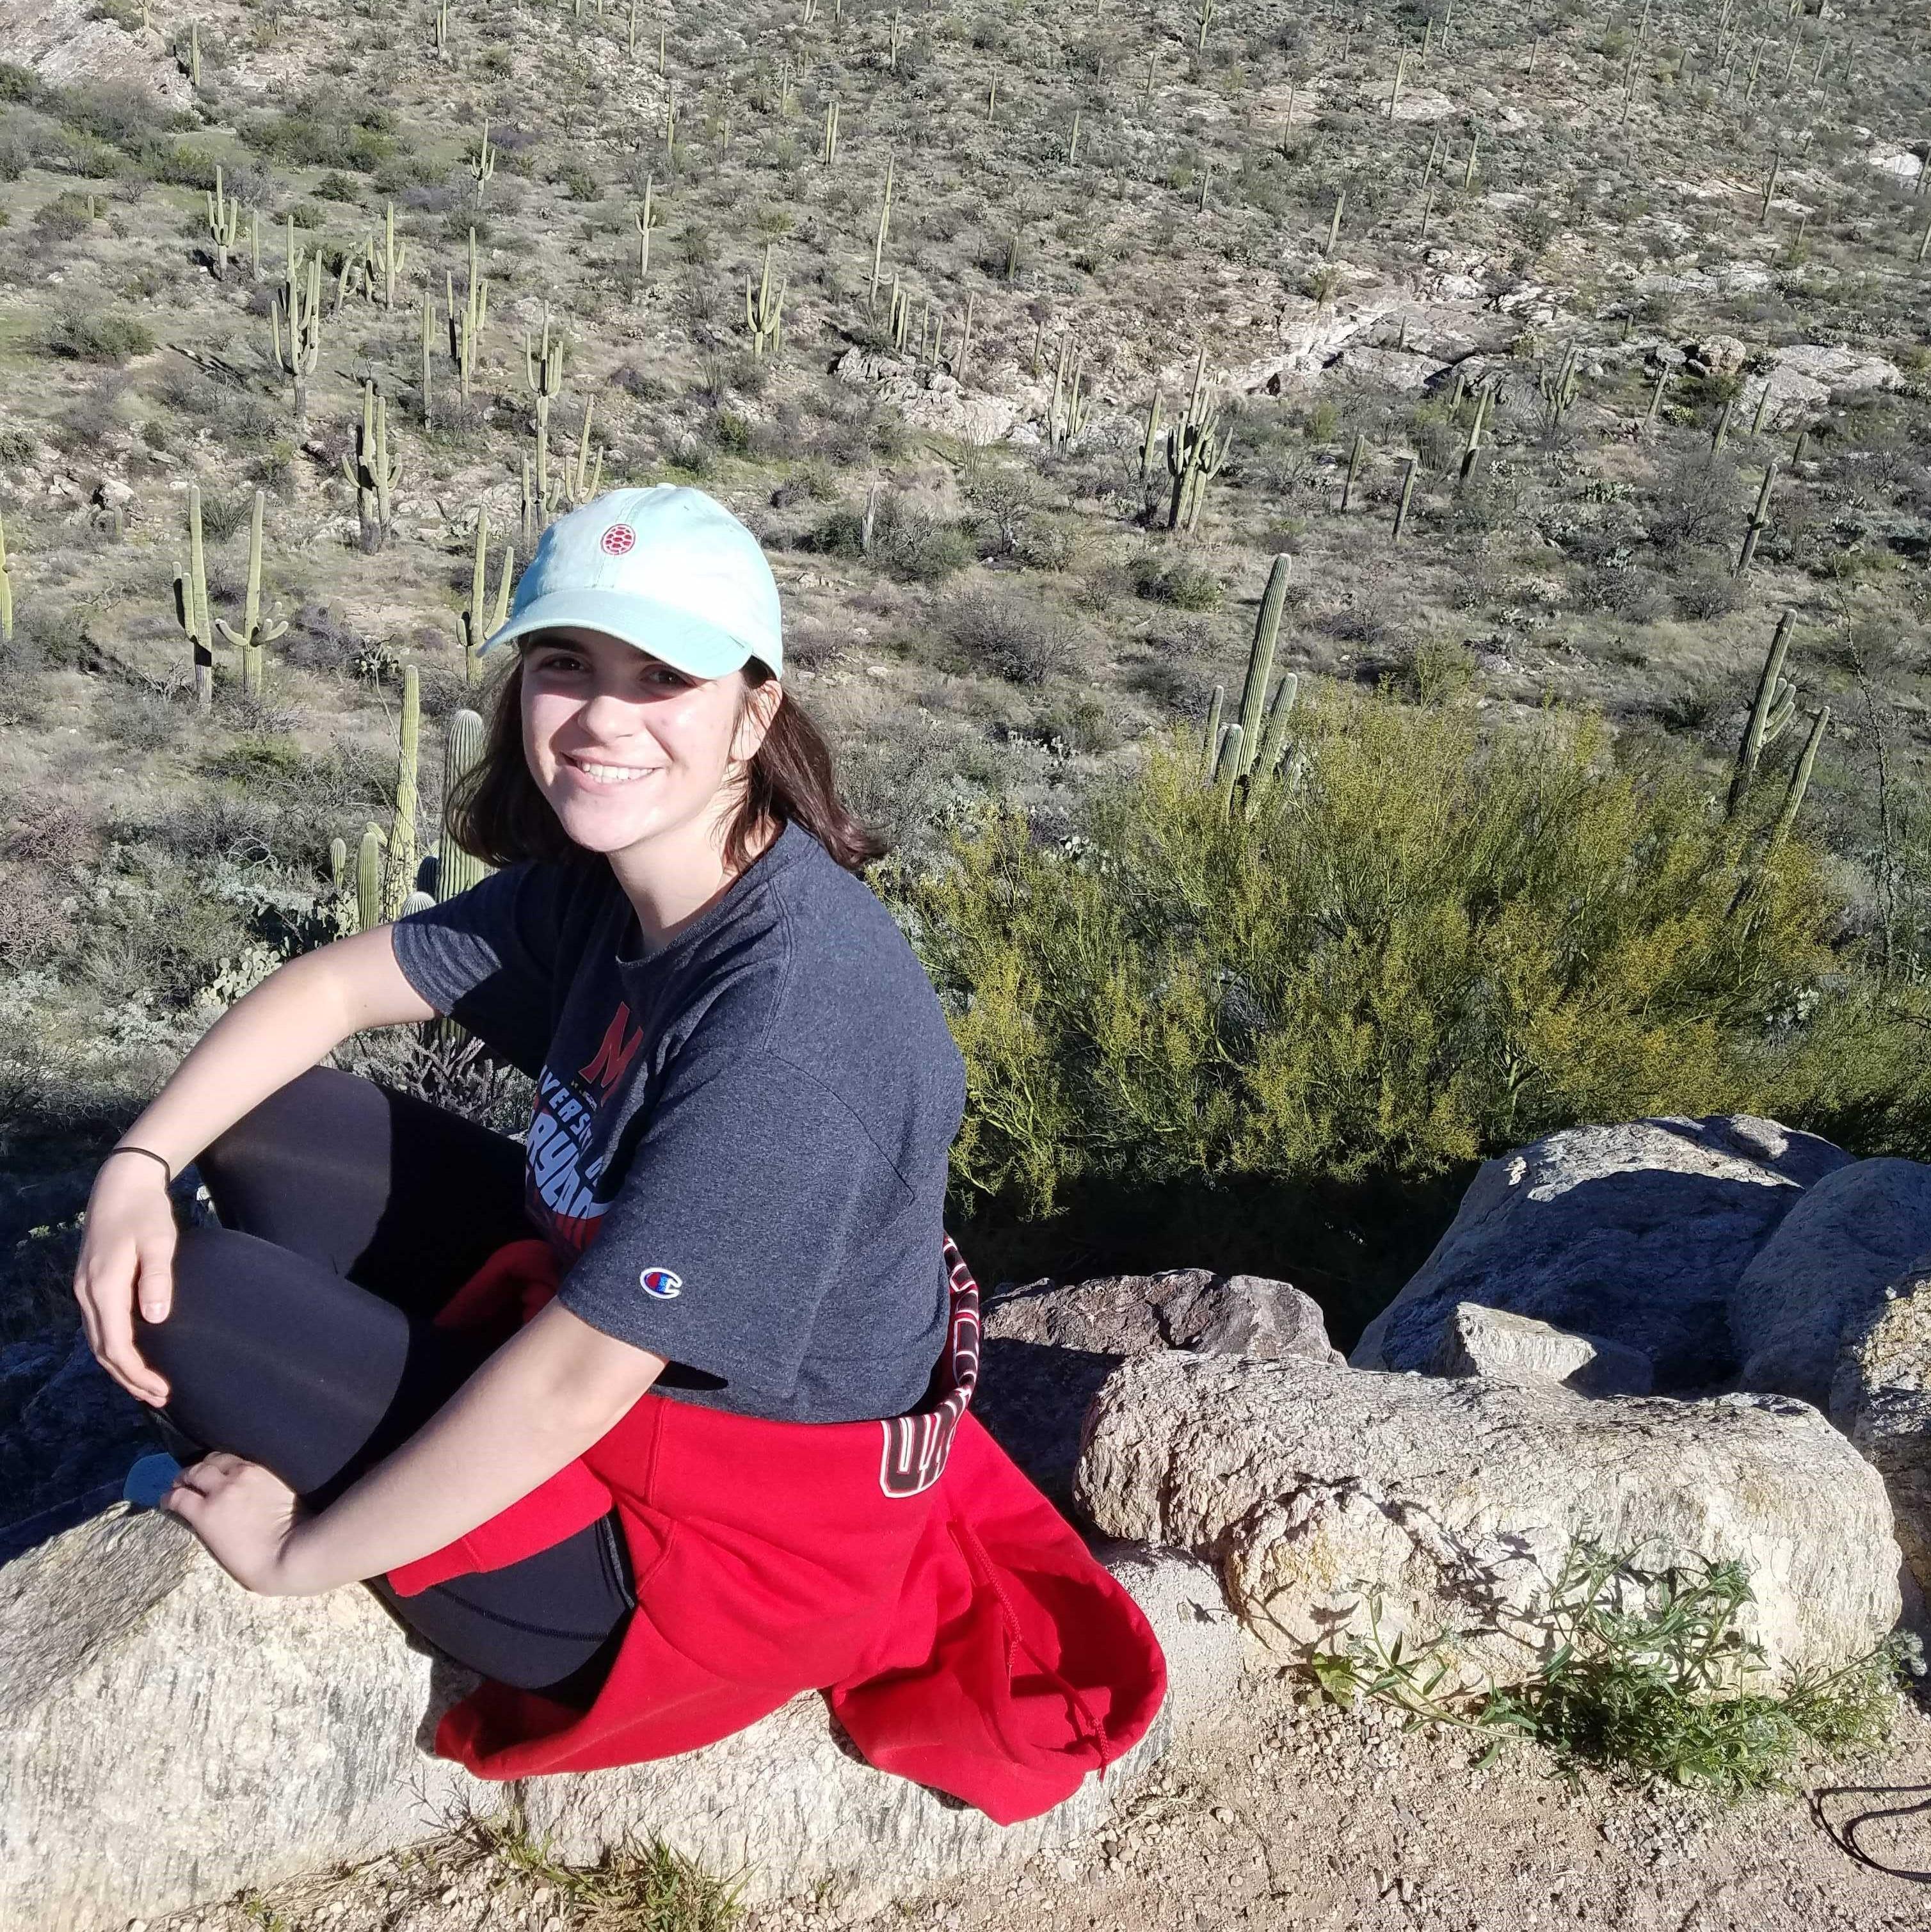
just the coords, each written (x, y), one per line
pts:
(496, 810)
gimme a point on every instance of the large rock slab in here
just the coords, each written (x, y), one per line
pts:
(1048, 1345)
(1311, 1486)
(1881, 1397)
(167, 1739)
(1634, 1232)
(1824, 1269)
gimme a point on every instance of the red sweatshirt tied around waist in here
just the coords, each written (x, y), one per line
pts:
(957, 1624)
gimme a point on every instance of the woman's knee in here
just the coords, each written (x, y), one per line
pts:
(291, 1119)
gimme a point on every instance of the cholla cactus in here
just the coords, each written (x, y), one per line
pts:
(764, 315)
(256, 631)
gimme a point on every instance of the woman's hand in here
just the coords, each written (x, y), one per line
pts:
(248, 1517)
(127, 1248)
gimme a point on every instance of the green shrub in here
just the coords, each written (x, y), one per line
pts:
(1187, 587)
(82, 337)
(1424, 950)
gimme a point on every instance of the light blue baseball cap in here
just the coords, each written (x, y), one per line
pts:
(668, 569)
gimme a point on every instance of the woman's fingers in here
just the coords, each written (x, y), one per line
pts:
(155, 1253)
(113, 1342)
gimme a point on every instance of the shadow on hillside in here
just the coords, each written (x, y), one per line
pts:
(1351, 1245)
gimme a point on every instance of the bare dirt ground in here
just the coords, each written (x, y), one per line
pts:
(1306, 1816)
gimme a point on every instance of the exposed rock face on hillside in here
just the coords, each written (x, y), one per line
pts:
(1881, 1396)
(1312, 1487)
(1635, 1232)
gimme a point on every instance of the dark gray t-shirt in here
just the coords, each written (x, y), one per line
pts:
(738, 1147)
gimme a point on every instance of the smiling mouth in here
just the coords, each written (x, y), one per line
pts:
(607, 774)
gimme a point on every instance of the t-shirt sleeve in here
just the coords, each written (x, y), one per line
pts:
(748, 1186)
(487, 957)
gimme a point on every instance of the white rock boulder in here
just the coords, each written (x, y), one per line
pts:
(167, 1739)
(1825, 1270)
(1634, 1232)
(1311, 1486)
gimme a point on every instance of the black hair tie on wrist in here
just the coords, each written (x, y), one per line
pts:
(150, 1154)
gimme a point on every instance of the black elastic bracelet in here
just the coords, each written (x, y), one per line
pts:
(150, 1154)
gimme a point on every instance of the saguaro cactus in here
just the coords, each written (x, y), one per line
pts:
(390, 257)
(1355, 454)
(466, 324)
(256, 631)
(1263, 726)
(483, 166)
(1196, 449)
(764, 314)
(1408, 497)
(1770, 715)
(878, 240)
(372, 476)
(399, 870)
(1759, 520)
(224, 219)
(297, 311)
(644, 218)
(6, 588)
(190, 604)
(544, 369)
(1473, 450)
(483, 620)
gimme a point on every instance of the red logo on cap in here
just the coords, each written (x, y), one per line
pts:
(618, 538)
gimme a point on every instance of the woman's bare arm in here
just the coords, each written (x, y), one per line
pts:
(273, 1032)
(541, 1398)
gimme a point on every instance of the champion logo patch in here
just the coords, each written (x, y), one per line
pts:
(618, 539)
(661, 1282)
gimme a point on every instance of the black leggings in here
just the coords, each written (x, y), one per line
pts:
(300, 1338)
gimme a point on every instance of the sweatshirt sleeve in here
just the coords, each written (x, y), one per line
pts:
(488, 957)
(748, 1186)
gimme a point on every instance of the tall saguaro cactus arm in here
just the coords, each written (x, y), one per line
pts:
(1775, 705)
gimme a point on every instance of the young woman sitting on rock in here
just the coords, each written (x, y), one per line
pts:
(660, 1416)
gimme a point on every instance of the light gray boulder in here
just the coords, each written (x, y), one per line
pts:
(1479, 1341)
(1881, 1397)
(1634, 1232)
(1312, 1487)
(167, 1739)
(1049, 1345)
(1825, 1268)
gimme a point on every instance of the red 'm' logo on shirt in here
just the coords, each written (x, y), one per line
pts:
(614, 1055)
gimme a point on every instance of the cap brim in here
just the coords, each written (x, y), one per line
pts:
(675, 636)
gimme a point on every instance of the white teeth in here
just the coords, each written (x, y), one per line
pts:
(609, 774)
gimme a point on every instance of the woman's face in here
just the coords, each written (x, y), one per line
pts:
(626, 747)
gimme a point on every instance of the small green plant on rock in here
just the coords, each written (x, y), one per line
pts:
(1642, 1671)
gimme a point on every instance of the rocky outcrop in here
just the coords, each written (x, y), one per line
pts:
(1823, 1270)
(1881, 1396)
(1635, 1233)
(171, 1739)
(1049, 1345)
(1479, 1341)
(1312, 1487)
